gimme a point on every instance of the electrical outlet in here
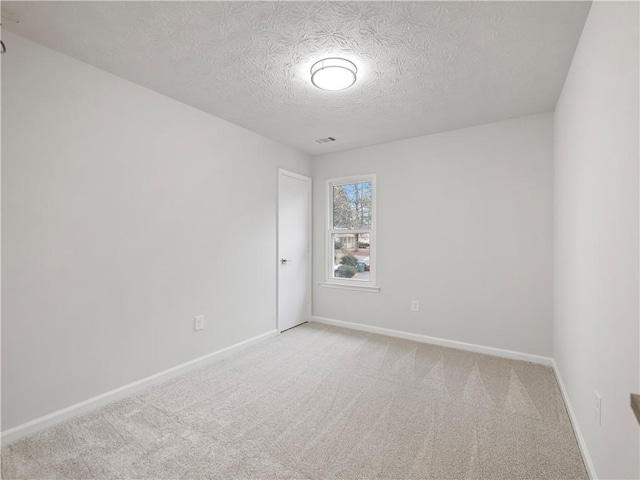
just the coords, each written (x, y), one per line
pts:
(198, 322)
(415, 306)
(598, 409)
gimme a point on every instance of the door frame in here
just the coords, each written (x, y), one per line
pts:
(287, 173)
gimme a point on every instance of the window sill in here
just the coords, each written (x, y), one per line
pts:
(357, 288)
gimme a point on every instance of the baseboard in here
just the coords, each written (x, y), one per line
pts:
(416, 337)
(33, 426)
(574, 423)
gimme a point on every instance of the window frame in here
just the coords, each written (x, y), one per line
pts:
(348, 283)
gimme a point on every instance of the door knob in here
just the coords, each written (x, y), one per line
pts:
(284, 260)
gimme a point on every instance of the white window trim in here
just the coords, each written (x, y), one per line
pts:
(348, 284)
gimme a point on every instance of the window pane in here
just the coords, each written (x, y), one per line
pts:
(352, 206)
(351, 256)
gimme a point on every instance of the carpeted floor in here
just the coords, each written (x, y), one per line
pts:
(322, 402)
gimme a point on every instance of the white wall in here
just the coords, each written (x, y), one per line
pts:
(125, 214)
(464, 226)
(596, 236)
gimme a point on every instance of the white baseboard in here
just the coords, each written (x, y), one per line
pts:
(416, 337)
(33, 426)
(574, 423)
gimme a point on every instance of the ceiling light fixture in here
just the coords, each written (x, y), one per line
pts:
(333, 74)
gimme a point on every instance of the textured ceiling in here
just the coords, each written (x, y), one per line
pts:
(424, 67)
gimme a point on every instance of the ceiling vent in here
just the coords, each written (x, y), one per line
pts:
(325, 140)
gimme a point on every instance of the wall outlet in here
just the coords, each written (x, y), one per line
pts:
(415, 306)
(198, 322)
(598, 408)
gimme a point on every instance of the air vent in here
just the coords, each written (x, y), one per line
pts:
(325, 140)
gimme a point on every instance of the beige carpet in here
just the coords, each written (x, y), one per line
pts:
(322, 402)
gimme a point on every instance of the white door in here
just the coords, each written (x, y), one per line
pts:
(294, 249)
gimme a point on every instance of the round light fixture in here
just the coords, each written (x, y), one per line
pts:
(333, 74)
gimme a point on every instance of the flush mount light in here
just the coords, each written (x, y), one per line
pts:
(333, 74)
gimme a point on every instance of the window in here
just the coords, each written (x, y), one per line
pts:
(351, 233)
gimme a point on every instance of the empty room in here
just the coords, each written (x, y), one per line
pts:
(320, 240)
